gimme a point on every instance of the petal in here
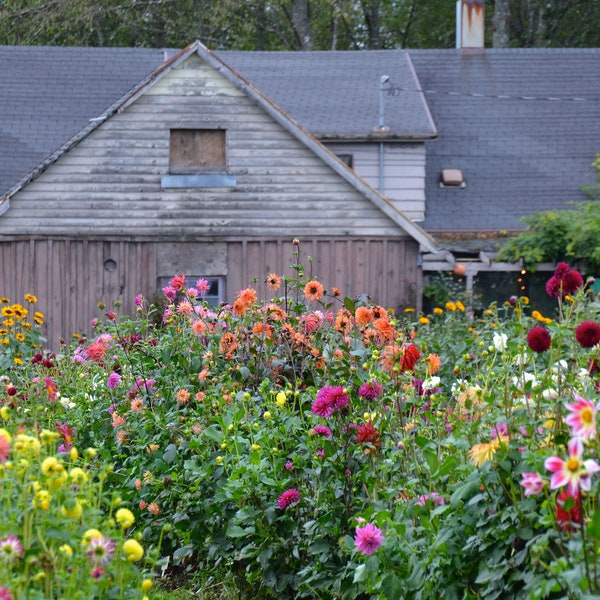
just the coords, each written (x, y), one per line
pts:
(575, 448)
(554, 464)
(559, 479)
(586, 483)
(591, 466)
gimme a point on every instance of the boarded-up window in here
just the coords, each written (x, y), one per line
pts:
(197, 150)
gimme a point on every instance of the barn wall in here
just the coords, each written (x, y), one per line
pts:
(70, 277)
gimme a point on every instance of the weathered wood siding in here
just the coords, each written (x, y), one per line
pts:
(386, 270)
(403, 172)
(70, 277)
(110, 183)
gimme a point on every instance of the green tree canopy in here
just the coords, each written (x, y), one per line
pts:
(292, 24)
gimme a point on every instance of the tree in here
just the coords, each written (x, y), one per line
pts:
(292, 24)
(546, 23)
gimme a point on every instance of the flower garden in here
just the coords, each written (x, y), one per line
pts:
(309, 445)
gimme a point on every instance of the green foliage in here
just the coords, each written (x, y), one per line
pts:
(286, 24)
(219, 445)
(555, 235)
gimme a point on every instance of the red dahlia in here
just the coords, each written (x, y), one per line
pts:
(538, 339)
(588, 333)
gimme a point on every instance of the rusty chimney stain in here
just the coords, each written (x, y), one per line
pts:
(470, 24)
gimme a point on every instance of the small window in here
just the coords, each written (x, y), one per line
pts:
(197, 151)
(216, 287)
(347, 159)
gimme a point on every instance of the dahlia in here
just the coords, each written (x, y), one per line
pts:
(368, 538)
(588, 334)
(288, 498)
(538, 339)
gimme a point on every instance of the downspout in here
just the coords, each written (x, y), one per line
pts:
(383, 80)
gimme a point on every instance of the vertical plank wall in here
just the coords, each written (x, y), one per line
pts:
(385, 269)
(71, 277)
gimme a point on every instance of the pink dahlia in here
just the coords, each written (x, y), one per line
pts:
(574, 472)
(587, 334)
(5, 440)
(288, 498)
(533, 483)
(329, 399)
(322, 430)
(101, 550)
(113, 381)
(370, 390)
(368, 538)
(11, 548)
(202, 286)
(5, 594)
(538, 339)
(582, 418)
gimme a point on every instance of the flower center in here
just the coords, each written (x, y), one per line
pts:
(573, 464)
(586, 415)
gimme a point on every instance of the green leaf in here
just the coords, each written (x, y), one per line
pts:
(235, 531)
(360, 574)
(349, 304)
(464, 491)
(594, 526)
(170, 454)
(213, 433)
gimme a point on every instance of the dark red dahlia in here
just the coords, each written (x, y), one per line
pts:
(564, 281)
(367, 433)
(572, 282)
(588, 334)
(539, 339)
(568, 510)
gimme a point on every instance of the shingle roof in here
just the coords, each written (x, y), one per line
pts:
(49, 93)
(521, 151)
(336, 94)
(522, 124)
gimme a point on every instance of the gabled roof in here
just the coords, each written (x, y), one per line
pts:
(523, 125)
(282, 118)
(50, 93)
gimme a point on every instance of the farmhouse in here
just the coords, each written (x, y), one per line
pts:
(121, 167)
